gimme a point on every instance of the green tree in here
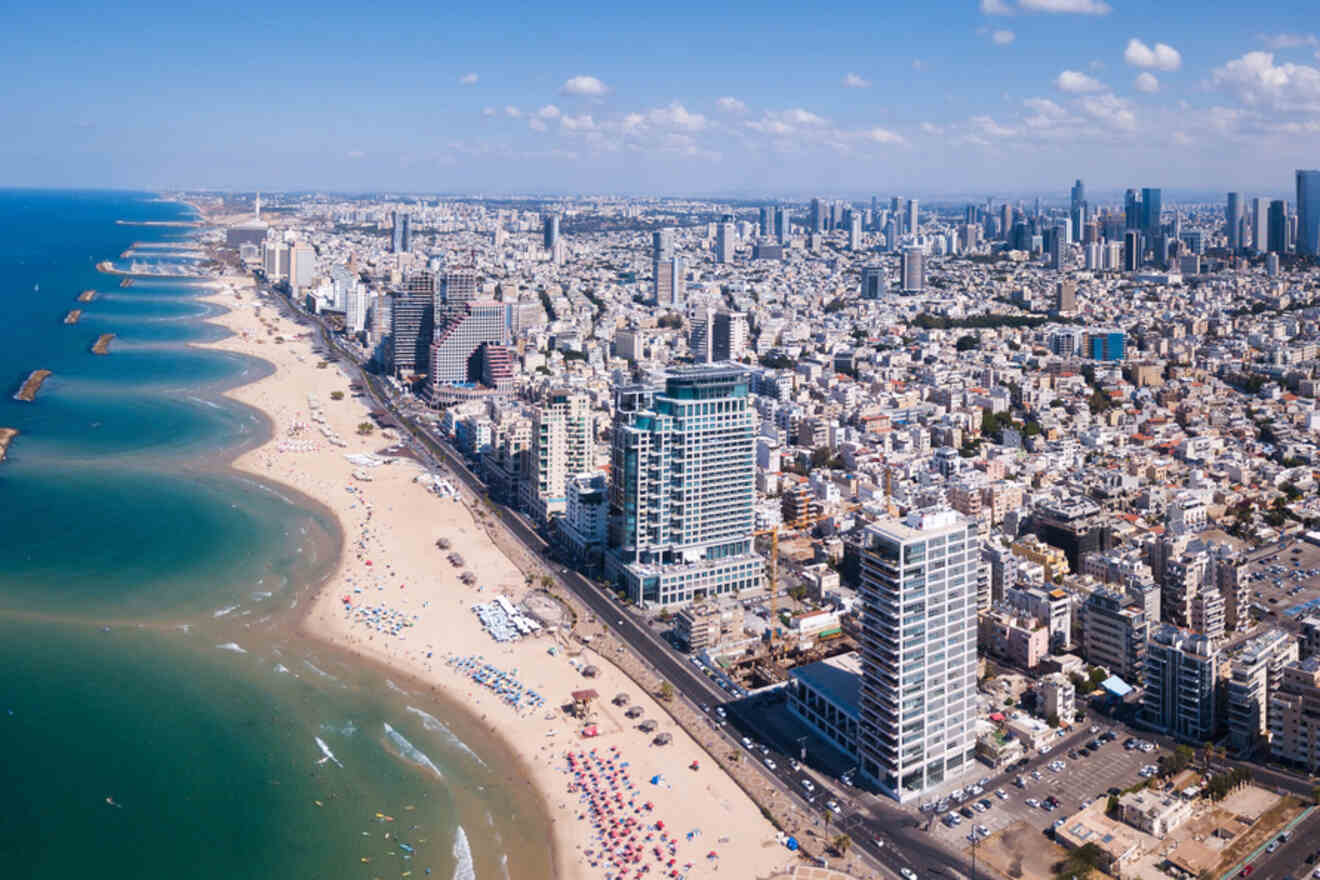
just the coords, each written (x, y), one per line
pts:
(365, 428)
(336, 395)
(968, 342)
(666, 691)
(840, 844)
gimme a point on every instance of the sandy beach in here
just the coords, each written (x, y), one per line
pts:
(618, 801)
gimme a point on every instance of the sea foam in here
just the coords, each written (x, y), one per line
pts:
(410, 752)
(465, 869)
(435, 725)
(232, 646)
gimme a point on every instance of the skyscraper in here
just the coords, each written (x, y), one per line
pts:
(459, 334)
(457, 287)
(724, 241)
(783, 225)
(701, 338)
(855, 232)
(1308, 213)
(914, 270)
(913, 220)
(767, 220)
(1277, 235)
(1006, 220)
(682, 488)
(729, 339)
(1059, 248)
(412, 319)
(400, 232)
(1152, 206)
(1233, 221)
(918, 647)
(1259, 225)
(550, 231)
(817, 215)
(1131, 210)
(662, 244)
(670, 281)
(1132, 250)
(563, 446)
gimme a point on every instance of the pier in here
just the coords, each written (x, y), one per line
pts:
(87, 296)
(102, 344)
(73, 316)
(109, 268)
(6, 435)
(28, 392)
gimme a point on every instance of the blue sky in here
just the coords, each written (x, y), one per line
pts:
(968, 98)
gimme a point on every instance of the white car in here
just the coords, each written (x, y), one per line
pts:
(1001, 794)
(1032, 802)
(833, 807)
(1045, 750)
(769, 763)
(908, 873)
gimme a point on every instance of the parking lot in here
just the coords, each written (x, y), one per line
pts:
(1285, 578)
(1077, 780)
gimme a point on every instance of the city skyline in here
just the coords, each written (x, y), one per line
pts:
(1004, 95)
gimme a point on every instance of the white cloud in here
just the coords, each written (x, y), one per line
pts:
(1003, 37)
(512, 112)
(1289, 41)
(1079, 7)
(855, 81)
(1110, 110)
(1162, 57)
(1076, 82)
(798, 116)
(882, 136)
(535, 124)
(1146, 82)
(987, 126)
(995, 7)
(785, 122)
(581, 122)
(549, 111)
(583, 86)
(488, 111)
(1259, 82)
(731, 105)
(676, 116)
(932, 128)
(467, 79)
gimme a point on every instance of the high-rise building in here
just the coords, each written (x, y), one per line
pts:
(1256, 674)
(725, 236)
(460, 333)
(683, 487)
(1131, 210)
(1006, 220)
(817, 217)
(855, 232)
(1106, 344)
(701, 337)
(1295, 716)
(783, 225)
(913, 217)
(1181, 678)
(1308, 213)
(1077, 209)
(302, 266)
(1152, 207)
(355, 308)
(563, 446)
(662, 244)
(457, 287)
(1132, 250)
(550, 231)
(1059, 249)
(412, 319)
(1277, 234)
(670, 282)
(729, 339)
(400, 232)
(1065, 298)
(873, 282)
(767, 221)
(1114, 631)
(1233, 221)
(917, 703)
(914, 270)
(1259, 226)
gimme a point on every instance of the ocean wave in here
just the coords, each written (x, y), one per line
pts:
(232, 646)
(281, 668)
(210, 403)
(410, 752)
(226, 610)
(259, 596)
(435, 725)
(465, 869)
(327, 755)
(394, 687)
(320, 672)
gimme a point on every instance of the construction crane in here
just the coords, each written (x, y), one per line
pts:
(774, 575)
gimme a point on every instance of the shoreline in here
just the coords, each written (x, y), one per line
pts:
(391, 522)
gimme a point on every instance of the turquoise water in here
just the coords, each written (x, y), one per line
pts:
(160, 713)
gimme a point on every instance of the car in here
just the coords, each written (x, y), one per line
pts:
(1274, 845)
(982, 830)
(747, 742)
(769, 763)
(833, 807)
(968, 812)
(1049, 808)
(984, 781)
(986, 802)
(792, 762)
(1246, 872)
(1032, 802)
(980, 806)
(1045, 750)
(1095, 729)
(908, 873)
(1058, 823)
(928, 807)
(1316, 873)
(808, 785)
(1020, 782)
(1001, 794)
(1035, 774)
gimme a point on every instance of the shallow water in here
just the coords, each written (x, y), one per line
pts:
(161, 713)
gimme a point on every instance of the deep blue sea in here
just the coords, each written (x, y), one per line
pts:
(159, 714)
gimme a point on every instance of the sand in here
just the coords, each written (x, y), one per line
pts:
(391, 523)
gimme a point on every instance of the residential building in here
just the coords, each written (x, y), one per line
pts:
(1114, 631)
(1181, 681)
(1255, 676)
(918, 652)
(1058, 698)
(1295, 716)
(563, 446)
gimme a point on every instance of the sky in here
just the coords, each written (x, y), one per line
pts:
(966, 99)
